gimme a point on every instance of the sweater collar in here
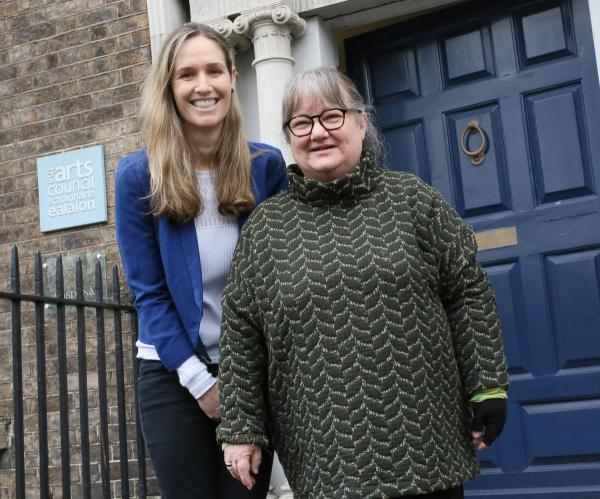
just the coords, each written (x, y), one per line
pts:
(356, 185)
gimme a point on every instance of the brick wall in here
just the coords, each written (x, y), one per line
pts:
(70, 73)
(69, 77)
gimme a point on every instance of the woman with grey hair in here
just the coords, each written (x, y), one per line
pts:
(360, 336)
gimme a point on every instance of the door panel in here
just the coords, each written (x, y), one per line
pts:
(466, 55)
(401, 62)
(478, 191)
(554, 117)
(506, 279)
(574, 315)
(544, 32)
(525, 71)
(407, 147)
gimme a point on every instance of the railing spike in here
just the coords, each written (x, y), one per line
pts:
(17, 361)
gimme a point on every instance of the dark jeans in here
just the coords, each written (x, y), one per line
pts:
(456, 493)
(182, 445)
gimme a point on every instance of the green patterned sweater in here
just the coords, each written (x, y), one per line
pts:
(356, 323)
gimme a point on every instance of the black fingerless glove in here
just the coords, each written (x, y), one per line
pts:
(491, 414)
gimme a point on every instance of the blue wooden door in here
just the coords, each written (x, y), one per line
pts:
(525, 72)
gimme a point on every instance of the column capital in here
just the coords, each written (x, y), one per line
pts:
(225, 27)
(279, 15)
(242, 31)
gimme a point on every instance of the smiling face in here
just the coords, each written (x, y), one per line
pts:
(327, 155)
(202, 85)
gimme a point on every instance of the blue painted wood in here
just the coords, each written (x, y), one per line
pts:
(466, 55)
(401, 62)
(478, 190)
(407, 149)
(575, 315)
(556, 116)
(544, 32)
(506, 279)
(526, 70)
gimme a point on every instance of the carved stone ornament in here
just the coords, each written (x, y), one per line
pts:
(281, 16)
(225, 28)
(242, 31)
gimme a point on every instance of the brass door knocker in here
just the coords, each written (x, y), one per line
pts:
(477, 156)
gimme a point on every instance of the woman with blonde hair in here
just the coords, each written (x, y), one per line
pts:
(180, 203)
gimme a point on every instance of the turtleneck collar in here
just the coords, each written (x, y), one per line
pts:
(356, 185)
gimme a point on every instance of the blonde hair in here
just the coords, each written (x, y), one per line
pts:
(333, 87)
(173, 185)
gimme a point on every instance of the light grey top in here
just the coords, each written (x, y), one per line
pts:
(217, 237)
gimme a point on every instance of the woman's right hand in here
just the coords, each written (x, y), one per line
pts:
(209, 402)
(243, 461)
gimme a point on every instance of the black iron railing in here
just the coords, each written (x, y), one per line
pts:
(127, 460)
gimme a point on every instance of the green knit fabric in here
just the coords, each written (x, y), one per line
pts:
(488, 394)
(356, 324)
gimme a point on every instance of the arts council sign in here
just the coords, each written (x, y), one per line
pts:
(72, 189)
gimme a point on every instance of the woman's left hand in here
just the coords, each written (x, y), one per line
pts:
(490, 414)
(243, 461)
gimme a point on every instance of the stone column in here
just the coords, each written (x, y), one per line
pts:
(271, 31)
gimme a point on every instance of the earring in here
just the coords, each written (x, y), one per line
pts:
(232, 90)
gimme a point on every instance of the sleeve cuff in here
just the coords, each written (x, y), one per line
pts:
(194, 376)
(489, 393)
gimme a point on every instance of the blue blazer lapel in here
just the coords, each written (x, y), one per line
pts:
(189, 244)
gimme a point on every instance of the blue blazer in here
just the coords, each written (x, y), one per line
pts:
(161, 257)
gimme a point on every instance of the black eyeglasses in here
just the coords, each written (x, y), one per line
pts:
(330, 119)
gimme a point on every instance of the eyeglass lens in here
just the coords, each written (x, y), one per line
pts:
(330, 119)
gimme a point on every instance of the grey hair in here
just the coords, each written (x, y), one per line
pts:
(332, 87)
